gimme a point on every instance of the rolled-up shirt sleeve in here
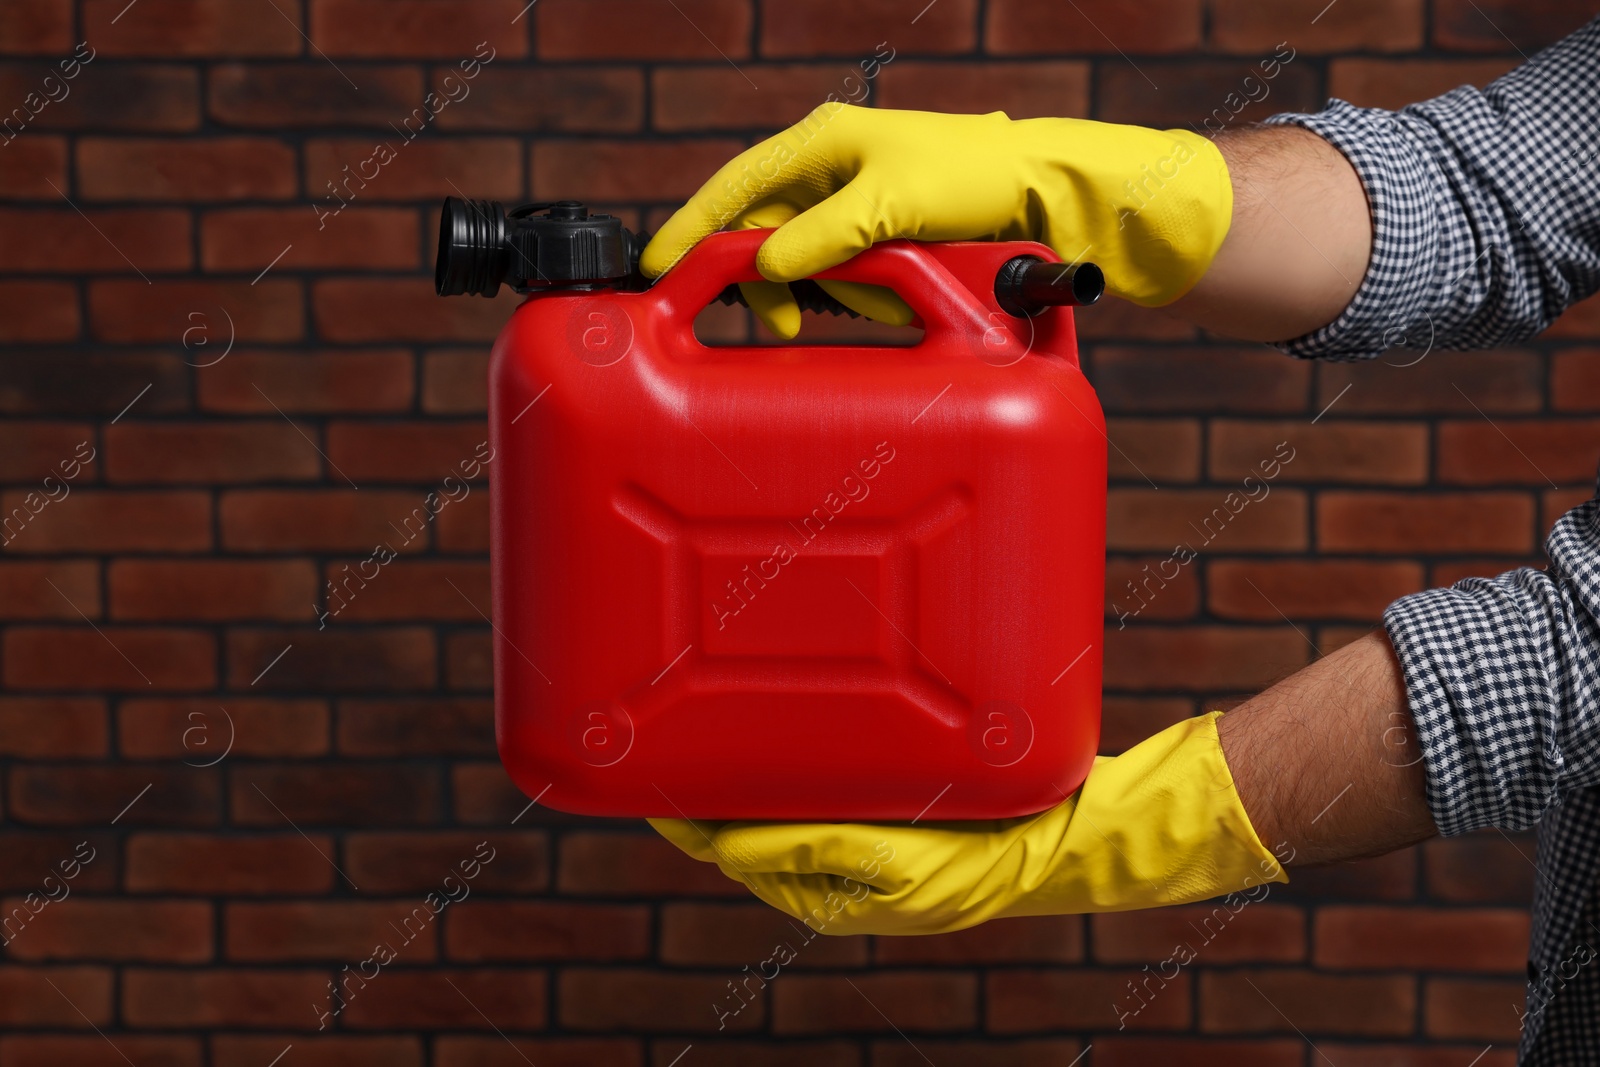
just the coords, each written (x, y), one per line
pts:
(1485, 208)
(1502, 678)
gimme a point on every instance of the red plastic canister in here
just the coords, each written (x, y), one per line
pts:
(797, 582)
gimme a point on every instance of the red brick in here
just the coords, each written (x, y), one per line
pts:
(251, 239)
(639, 29)
(1384, 453)
(221, 168)
(1284, 1001)
(326, 930)
(469, 661)
(1415, 1056)
(1202, 94)
(277, 95)
(1242, 930)
(718, 97)
(71, 382)
(191, 28)
(518, 860)
(1120, 321)
(1449, 573)
(1482, 868)
(531, 931)
(1201, 657)
(452, 1000)
(734, 935)
(360, 794)
(465, 527)
(485, 796)
(332, 1050)
(1045, 89)
(1476, 939)
(1197, 1052)
(112, 521)
(895, 1052)
(420, 169)
(134, 796)
(59, 240)
(1019, 27)
(1554, 503)
(1481, 1010)
(1575, 380)
(258, 865)
(421, 726)
(1519, 452)
(455, 382)
(217, 590)
(402, 310)
(1352, 26)
(276, 999)
(52, 727)
(34, 451)
(1393, 83)
(42, 27)
(387, 660)
(1153, 451)
(49, 589)
(164, 313)
(601, 170)
(526, 100)
(1213, 380)
(1138, 586)
(1391, 877)
(1509, 380)
(198, 730)
(1311, 589)
(157, 931)
(866, 29)
(124, 97)
(339, 520)
(80, 997)
(38, 311)
(90, 857)
(617, 1000)
(1437, 522)
(1499, 25)
(424, 452)
(315, 382)
(1125, 721)
(418, 28)
(497, 1051)
(95, 1051)
(1580, 320)
(115, 657)
(35, 162)
(1027, 1001)
(145, 453)
(1151, 520)
(1038, 939)
(594, 863)
(926, 1001)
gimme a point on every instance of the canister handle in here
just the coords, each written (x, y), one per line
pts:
(945, 306)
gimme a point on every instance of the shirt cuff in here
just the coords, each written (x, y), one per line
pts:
(1389, 306)
(1480, 698)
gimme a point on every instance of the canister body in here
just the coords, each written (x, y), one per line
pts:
(797, 582)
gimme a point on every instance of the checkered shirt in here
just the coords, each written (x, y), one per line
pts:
(1486, 217)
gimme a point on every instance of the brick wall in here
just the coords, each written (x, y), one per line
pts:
(206, 364)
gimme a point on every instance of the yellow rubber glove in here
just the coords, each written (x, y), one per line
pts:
(1160, 824)
(1150, 207)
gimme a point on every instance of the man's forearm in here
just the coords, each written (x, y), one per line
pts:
(1327, 760)
(1298, 245)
